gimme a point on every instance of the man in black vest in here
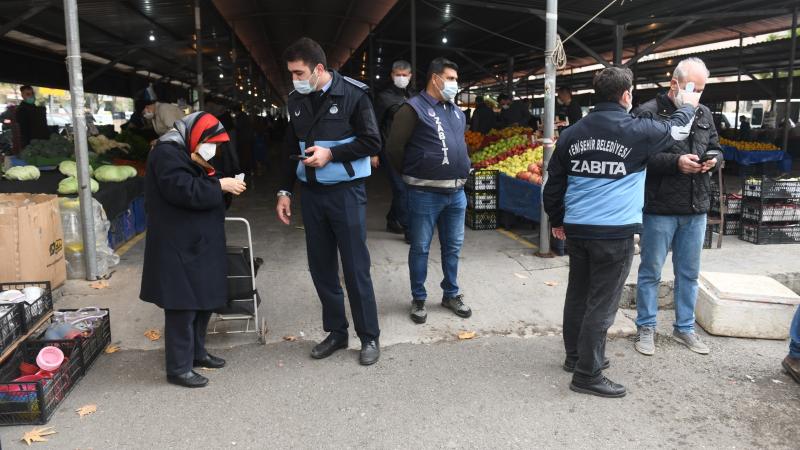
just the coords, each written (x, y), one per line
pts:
(387, 103)
(329, 142)
(427, 146)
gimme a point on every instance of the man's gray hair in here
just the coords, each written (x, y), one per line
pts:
(681, 71)
(401, 65)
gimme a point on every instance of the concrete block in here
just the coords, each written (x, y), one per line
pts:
(748, 306)
(623, 326)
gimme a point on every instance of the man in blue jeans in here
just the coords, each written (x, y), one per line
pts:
(677, 200)
(426, 145)
(792, 361)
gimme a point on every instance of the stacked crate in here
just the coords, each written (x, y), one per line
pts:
(733, 210)
(481, 191)
(770, 211)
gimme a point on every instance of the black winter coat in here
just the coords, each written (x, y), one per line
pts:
(667, 190)
(185, 265)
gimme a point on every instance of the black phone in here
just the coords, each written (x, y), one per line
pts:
(298, 157)
(709, 155)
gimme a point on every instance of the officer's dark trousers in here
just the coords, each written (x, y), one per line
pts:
(184, 338)
(335, 218)
(597, 273)
(399, 209)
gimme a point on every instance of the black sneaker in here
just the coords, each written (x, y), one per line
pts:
(603, 388)
(569, 365)
(456, 304)
(418, 312)
(393, 226)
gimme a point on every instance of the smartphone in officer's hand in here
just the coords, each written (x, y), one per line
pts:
(298, 157)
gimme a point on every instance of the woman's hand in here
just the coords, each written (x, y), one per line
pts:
(232, 186)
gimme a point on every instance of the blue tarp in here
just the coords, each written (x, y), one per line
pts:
(749, 158)
(518, 197)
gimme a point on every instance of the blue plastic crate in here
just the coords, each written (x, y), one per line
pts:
(139, 215)
(518, 197)
(128, 224)
(116, 234)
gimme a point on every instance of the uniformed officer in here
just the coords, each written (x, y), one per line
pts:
(426, 144)
(330, 139)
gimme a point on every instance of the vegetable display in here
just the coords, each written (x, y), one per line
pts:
(23, 173)
(114, 174)
(101, 144)
(70, 169)
(69, 186)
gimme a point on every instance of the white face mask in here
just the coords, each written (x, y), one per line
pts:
(401, 81)
(629, 106)
(449, 90)
(304, 86)
(207, 150)
(148, 115)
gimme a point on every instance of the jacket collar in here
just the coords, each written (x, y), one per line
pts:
(665, 105)
(608, 106)
(433, 102)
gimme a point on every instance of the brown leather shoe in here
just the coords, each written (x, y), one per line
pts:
(792, 367)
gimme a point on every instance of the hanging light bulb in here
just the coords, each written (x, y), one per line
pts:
(152, 37)
(221, 75)
(444, 39)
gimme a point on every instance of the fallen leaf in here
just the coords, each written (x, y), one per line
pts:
(519, 275)
(301, 228)
(551, 283)
(290, 338)
(102, 284)
(153, 334)
(37, 435)
(112, 349)
(777, 381)
(207, 369)
(86, 410)
(464, 335)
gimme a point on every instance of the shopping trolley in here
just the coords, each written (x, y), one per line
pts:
(243, 297)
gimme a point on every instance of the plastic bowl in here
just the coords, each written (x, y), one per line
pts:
(50, 358)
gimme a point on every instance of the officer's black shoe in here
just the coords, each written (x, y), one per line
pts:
(456, 304)
(393, 226)
(603, 388)
(329, 346)
(190, 379)
(569, 364)
(370, 352)
(210, 362)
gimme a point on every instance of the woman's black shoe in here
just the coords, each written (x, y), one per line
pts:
(603, 388)
(190, 379)
(329, 346)
(210, 362)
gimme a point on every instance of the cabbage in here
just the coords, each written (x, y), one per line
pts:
(70, 169)
(23, 173)
(114, 174)
(69, 186)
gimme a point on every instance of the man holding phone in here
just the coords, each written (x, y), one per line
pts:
(677, 200)
(330, 139)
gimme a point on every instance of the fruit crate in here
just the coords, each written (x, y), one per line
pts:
(774, 188)
(481, 220)
(31, 399)
(33, 312)
(92, 346)
(482, 180)
(760, 233)
(482, 200)
(11, 326)
(771, 212)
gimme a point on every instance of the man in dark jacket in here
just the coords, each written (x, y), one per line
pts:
(567, 108)
(387, 103)
(32, 119)
(677, 200)
(483, 119)
(594, 197)
(512, 113)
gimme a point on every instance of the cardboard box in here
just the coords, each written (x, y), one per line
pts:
(31, 239)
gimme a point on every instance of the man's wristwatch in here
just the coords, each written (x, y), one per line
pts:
(284, 194)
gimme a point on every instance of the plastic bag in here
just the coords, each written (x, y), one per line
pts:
(73, 238)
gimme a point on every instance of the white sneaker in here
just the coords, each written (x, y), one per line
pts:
(691, 340)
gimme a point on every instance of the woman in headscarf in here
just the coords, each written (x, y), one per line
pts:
(185, 265)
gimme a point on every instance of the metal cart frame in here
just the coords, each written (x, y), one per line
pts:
(260, 323)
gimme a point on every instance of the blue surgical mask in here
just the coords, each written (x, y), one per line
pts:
(449, 90)
(304, 86)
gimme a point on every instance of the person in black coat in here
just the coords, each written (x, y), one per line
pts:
(185, 264)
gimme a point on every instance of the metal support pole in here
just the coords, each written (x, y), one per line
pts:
(789, 82)
(619, 31)
(549, 116)
(414, 44)
(738, 82)
(81, 144)
(198, 41)
(510, 77)
(776, 87)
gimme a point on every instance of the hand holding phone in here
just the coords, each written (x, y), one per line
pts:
(298, 157)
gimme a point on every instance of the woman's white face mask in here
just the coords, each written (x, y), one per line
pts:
(207, 150)
(148, 114)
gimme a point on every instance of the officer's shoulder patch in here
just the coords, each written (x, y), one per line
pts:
(356, 83)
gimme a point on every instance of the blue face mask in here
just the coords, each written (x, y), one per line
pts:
(449, 90)
(304, 86)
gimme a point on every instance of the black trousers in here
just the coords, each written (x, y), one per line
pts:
(184, 338)
(597, 273)
(335, 224)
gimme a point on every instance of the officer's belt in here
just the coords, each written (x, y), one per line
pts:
(442, 184)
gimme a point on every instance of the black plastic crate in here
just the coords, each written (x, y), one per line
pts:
(771, 188)
(482, 180)
(92, 346)
(709, 238)
(32, 313)
(781, 211)
(482, 200)
(481, 220)
(11, 326)
(733, 224)
(733, 204)
(760, 233)
(34, 402)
